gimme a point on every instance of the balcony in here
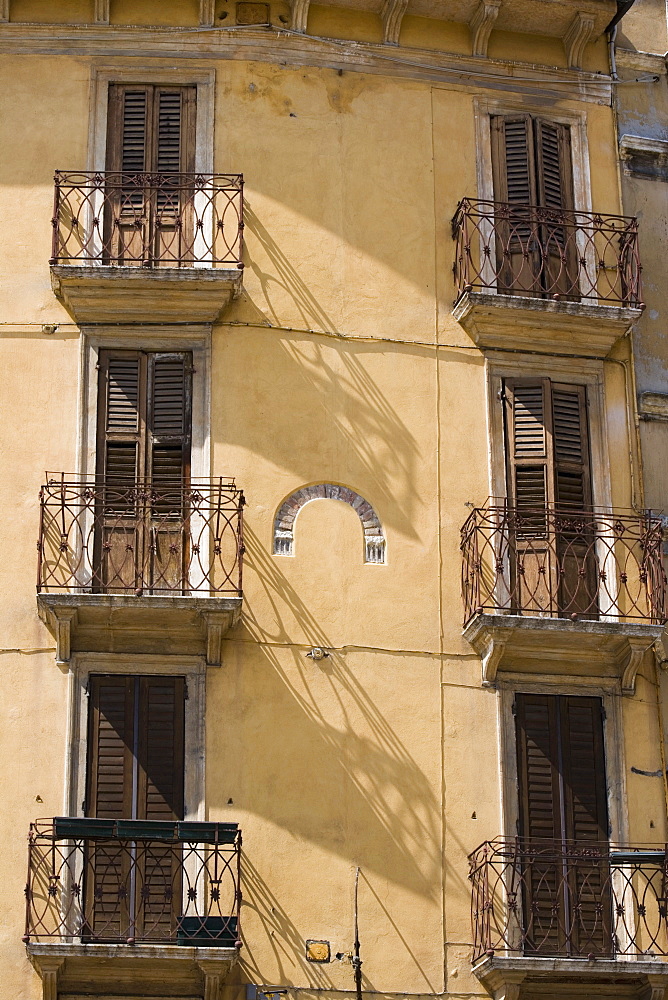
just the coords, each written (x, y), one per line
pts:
(528, 277)
(132, 902)
(548, 590)
(152, 247)
(140, 567)
(552, 914)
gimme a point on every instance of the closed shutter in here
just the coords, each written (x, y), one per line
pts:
(563, 809)
(150, 139)
(135, 771)
(144, 438)
(532, 170)
(135, 747)
(549, 480)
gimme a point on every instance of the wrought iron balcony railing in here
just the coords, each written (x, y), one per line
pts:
(539, 252)
(571, 900)
(148, 219)
(558, 563)
(177, 538)
(131, 881)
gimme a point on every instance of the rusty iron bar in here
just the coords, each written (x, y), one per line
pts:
(177, 886)
(148, 219)
(598, 564)
(573, 900)
(526, 250)
(139, 537)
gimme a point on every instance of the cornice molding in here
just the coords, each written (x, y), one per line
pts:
(643, 62)
(297, 50)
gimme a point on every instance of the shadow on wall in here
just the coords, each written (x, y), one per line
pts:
(335, 399)
(375, 805)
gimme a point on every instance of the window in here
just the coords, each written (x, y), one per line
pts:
(563, 823)
(149, 161)
(135, 770)
(532, 172)
(552, 545)
(142, 469)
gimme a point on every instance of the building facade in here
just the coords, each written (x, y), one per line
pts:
(335, 400)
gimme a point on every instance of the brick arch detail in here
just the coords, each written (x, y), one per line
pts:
(286, 515)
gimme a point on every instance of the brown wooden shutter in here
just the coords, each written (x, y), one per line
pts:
(121, 416)
(571, 447)
(537, 757)
(547, 444)
(160, 748)
(528, 443)
(513, 159)
(169, 416)
(110, 742)
(561, 768)
(554, 178)
(135, 747)
(563, 807)
(151, 129)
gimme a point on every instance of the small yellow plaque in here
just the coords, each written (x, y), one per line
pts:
(317, 951)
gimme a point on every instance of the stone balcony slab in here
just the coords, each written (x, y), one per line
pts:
(118, 623)
(524, 323)
(547, 647)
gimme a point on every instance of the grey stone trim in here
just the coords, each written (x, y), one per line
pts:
(286, 515)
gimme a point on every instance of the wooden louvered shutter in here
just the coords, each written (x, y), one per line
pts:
(121, 464)
(575, 539)
(160, 748)
(169, 422)
(169, 416)
(110, 747)
(150, 134)
(554, 566)
(563, 808)
(571, 447)
(554, 186)
(135, 771)
(135, 747)
(514, 174)
(531, 160)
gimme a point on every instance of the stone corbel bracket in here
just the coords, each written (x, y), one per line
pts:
(491, 656)
(4, 11)
(214, 974)
(634, 657)
(61, 622)
(217, 624)
(392, 15)
(299, 15)
(578, 34)
(207, 12)
(101, 12)
(481, 25)
(49, 969)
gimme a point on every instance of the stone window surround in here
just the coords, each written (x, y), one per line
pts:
(193, 668)
(104, 74)
(485, 107)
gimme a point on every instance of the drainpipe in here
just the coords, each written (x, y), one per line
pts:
(623, 7)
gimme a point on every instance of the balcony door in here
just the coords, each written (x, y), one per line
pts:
(135, 770)
(149, 193)
(142, 471)
(535, 235)
(550, 536)
(563, 824)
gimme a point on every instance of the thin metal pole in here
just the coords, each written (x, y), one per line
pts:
(357, 962)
